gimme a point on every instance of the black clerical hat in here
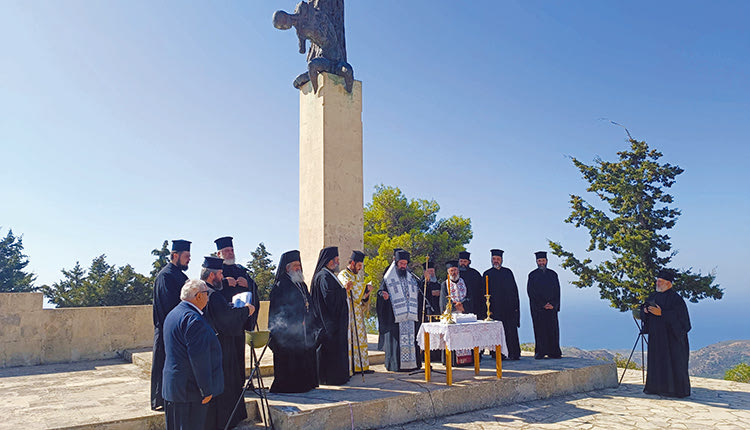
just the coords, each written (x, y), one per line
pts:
(395, 250)
(429, 265)
(403, 255)
(498, 252)
(540, 254)
(223, 242)
(357, 256)
(464, 255)
(326, 254)
(286, 258)
(666, 274)
(213, 263)
(452, 263)
(180, 245)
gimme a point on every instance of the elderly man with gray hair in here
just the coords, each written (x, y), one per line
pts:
(192, 368)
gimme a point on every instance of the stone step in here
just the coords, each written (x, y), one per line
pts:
(387, 398)
(142, 357)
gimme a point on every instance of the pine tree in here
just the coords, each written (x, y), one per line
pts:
(102, 285)
(13, 278)
(162, 259)
(630, 230)
(262, 270)
(394, 221)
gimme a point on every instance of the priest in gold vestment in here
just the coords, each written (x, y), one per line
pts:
(358, 301)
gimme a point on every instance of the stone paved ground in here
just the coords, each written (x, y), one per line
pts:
(714, 404)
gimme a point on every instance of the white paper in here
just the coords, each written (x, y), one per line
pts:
(242, 299)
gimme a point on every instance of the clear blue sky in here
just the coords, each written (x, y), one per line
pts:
(123, 124)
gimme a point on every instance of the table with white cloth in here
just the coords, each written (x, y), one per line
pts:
(462, 336)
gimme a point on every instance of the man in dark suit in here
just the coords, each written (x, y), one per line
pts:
(192, 367)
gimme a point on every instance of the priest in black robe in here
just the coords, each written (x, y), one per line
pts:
(295, 329)
(330, 299)
(227, 321)
(399, 315)
(544, 298)
(667, 323)
(474, 286)
(167, 286)
(236, 278)
(504, 303)
(432, 305)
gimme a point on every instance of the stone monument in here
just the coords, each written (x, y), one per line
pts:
(331, 185)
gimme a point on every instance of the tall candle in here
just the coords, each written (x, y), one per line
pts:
(487, 285)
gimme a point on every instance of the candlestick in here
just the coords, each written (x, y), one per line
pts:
(488, 308)
(487, 285)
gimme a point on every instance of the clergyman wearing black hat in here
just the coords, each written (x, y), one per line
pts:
(667, 323)
(329, 296)
(167, 286)
(227, 321)
(399, 312)
(474, 285)
(504, 302)
(544, 298)
(295, 328)
(236, 278)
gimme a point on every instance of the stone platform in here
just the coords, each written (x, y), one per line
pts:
(114, 394)
(387, 398)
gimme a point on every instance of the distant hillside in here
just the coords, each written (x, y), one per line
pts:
(713, 360)
(709, 362)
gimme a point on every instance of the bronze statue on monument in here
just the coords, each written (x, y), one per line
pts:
(322, 23)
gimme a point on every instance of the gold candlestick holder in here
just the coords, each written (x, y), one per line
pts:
(487, 296)
(447, 316)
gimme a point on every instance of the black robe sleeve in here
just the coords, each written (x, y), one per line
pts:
(225, 319)
(386, 319)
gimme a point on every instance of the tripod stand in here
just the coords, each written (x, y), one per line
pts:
(260, 390)
(642, 338)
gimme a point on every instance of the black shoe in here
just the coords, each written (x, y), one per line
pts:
(555, 356)
(515, 358)
(368, 371)
(538, 357)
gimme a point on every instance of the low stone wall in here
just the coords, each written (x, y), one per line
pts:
(31, 335)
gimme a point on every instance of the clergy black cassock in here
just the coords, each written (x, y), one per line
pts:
(167, 288)
(474, 291)
(228, 323)
(192, 367)
(329, 298)
(433, 302)
(295, 328)
(544, 287)
(668, 348)
(505, 306)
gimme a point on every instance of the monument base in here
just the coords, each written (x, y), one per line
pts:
(388, 398)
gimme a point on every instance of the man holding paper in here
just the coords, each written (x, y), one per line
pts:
(227, 322)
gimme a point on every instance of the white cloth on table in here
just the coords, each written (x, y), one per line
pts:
(481, 334)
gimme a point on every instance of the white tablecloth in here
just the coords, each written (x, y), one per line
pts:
(482, 334)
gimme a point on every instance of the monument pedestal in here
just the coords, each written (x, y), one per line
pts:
(331, 186)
